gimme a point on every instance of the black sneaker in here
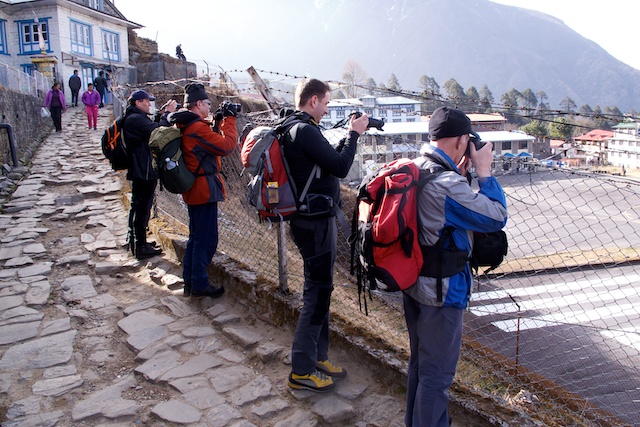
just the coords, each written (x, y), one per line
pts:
(147, 251)
(186, 291)
(209, 291)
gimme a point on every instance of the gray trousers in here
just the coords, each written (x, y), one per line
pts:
(435, 335)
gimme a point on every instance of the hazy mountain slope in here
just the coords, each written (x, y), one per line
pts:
(474, 41)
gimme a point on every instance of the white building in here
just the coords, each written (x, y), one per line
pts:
(404, 140)
(393, 109)
(623, 149)
(83, 35)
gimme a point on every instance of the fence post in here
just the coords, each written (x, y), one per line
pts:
(282, 258)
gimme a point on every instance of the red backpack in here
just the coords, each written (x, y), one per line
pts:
(385, 251)
(271, 189)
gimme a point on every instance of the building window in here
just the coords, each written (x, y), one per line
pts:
(368, 111)
(28, 68)
(97, 5)
(340, 113)
(81, 38)
(110, 46)
(3, 38)
(397, 112)
(506, 145)
(30, 38)
(411, 120)
(522, 145)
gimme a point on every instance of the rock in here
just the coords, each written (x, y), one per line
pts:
(177, 412)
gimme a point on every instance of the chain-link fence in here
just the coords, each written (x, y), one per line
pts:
(553, 331)
(22, 82)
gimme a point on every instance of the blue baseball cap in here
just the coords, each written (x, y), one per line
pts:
(139, 95)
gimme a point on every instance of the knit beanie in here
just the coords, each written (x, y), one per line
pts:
(194, 92)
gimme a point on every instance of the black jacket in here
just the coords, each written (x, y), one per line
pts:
(137, 130)
(100, 84)
(311, 148)
(74, 82)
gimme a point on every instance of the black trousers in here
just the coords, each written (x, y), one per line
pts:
(142, 192)
(56, 116)
(74, 97)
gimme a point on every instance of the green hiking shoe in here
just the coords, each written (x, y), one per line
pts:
(316, 381)
(329, 368)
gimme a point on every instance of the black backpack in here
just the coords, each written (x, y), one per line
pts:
(114, 147)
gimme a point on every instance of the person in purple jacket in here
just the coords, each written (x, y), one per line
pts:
(54, 101)
(91, 100)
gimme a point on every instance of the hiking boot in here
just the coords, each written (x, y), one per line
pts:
(147, 251)
(209, 291)
(329, 368)
(186, 291)
(316, 381)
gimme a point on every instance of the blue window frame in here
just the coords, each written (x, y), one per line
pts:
(96, 4)
(3, 38)
(81, 38)
(28, 68)
(110, 45)
(30, 37)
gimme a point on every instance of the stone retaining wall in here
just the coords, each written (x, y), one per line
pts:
(22, 112)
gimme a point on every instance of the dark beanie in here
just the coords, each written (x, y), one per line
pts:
(194, 92)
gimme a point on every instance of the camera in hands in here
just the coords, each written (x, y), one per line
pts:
(373, 123)
(477, 142)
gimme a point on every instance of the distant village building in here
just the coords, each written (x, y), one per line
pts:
(393, 109)
(624, 146)
(591, 147)
(87, 35)
(405, 139)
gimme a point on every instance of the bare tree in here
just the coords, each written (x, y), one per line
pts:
(354, 76)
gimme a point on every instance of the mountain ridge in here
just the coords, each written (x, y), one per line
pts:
(476, 42)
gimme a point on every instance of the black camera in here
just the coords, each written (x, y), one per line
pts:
(238, 107)
(477, 142)
(373, 123)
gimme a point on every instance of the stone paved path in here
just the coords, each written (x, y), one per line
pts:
(90, 336)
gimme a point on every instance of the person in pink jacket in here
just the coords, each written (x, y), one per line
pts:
(54, 101)
(91, 100)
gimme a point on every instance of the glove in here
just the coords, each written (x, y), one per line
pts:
(228, 109)
(217, 116)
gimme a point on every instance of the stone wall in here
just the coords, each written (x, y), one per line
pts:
(22, 112)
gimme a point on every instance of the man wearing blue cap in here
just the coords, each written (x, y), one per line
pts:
(137, 130)
(447, 207)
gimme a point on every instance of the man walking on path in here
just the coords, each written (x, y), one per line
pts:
(74, 85)
(100, 84)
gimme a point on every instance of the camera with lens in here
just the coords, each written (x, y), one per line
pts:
(373, 123)
(477, 142)
(238, 107)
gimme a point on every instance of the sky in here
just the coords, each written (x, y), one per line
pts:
(612, 24)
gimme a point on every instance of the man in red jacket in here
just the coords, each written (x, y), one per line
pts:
(202, 149)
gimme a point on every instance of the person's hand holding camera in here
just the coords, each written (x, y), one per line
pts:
(228, 109)
(482, 158)
(359, 123)
(170, 106)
